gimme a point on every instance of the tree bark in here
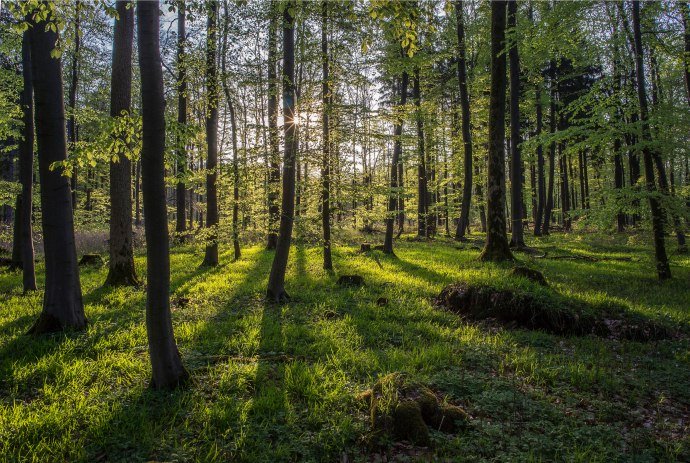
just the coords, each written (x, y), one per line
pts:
(464, 221)
(74, 84)
(211, 256)
(496, 247)
(167, 369)
(516, 207)
(181, 224)
(121, 265)
(326, 161)
(663, 268)
(552, 150)
(274, 161)
(26, 169)
(541, 181)
(63, 307)
(422, 190)
(395, 160)
(276, 281)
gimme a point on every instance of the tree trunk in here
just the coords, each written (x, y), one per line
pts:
(464, 221)
(516, 207)
(26, 170)
(276, 281)
(274, 162)
(663, 268)
(395, 160)
(74, 84)
(326, 162)
(168, 371)
(541, 181)
(496, 247)
(181, 224)
(552, 150)
(63, 307)
(422, 191)
(121, 265)
(211, 257)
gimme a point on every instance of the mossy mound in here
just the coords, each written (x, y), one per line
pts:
(92, 259)
(402, 410)
(532, 275)
(351, 280)
(550, 312)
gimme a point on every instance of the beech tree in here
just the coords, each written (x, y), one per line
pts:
(121, 264)
(496, 247)
(168, 371)
(326, 160)
(63, 307)
(276, 280)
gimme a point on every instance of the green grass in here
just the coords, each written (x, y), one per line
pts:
(279, 383)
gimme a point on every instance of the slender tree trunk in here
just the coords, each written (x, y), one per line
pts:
(516, 207)
(233, 124)
(395, 160)
(274, 161)
(168, 371)
(663, 268)
(74, 84)
(541, 181)
(276, 281)
(422, 193)
(26, 169)
(496, 248)
(181, 193)
(121, 265)
(326, 161)
(401, 198)
(137, 194)
(63, 307)
(211, 257)
(552, 151)
(464, 221)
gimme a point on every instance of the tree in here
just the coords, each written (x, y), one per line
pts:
(464, 221)
(326, 161)
(181, 191)
(274, 155)
(26, 169)
(276, 281)
(496, 247)
(663, 268)
(211, 257)
(121, 265)
(63, 307)
(167, 368)
(516, 207)
(73, 86)
(422, 191)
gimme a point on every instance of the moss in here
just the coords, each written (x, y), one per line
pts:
(409, 425)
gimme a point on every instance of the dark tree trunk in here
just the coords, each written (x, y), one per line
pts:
(685, 14)
(552, 151)
(137, 194)
(663, 268)
(63, 307)
(395, 160)
(541, 181)
(401, 198)
(74, 84)
(211, 257)
(496, 247)
(167, 368)
(121, 264)
(181, 195)
(422, 190)
(565, 186)
(464, 221)
(274, 161)
(233, 124)
(26, 169)
(276, 281)
(326, 161)
(516, 207)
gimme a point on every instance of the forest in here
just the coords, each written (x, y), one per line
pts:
(344, 231)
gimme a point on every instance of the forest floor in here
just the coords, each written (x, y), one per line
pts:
(280, 383)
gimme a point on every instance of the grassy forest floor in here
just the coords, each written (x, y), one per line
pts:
(280, 383)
